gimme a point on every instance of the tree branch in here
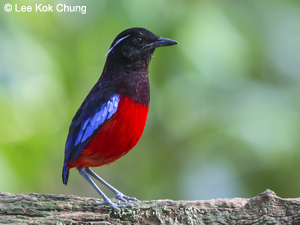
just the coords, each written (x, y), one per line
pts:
(32, 208)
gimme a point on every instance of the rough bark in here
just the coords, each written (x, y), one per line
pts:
(32, 208)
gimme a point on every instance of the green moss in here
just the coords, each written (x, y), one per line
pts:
(15, 210)
(22, 217)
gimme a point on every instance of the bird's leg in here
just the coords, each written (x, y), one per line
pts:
(107, 201)
(119, 195)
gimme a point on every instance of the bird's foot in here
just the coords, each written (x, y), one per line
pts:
(116, 205)
(124, 198)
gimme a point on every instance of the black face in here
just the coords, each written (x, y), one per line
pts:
(135, 42)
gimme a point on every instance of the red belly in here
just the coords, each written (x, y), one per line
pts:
(116, 137)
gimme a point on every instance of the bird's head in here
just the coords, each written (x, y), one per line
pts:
(137, 43)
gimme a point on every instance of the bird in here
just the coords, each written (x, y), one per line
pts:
(112, 117)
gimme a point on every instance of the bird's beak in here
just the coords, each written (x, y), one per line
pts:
(163, 42)
(160, 43)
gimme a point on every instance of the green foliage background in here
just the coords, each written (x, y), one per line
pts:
(224, 116)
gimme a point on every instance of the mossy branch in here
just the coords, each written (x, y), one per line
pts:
(32, 208)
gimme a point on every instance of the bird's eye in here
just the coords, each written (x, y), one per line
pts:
(138, 40)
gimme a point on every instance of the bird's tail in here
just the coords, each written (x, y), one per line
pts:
(65, 174)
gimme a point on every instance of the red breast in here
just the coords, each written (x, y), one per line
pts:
(116, 137)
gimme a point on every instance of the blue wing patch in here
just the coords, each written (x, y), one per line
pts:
(84, 129)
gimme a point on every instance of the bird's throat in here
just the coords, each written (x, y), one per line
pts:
(130, 79)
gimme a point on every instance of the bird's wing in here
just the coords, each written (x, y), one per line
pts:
(86, 122)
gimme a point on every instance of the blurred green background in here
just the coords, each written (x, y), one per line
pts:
(224, 115)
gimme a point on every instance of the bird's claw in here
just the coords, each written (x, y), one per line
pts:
(124, 198)
(97, 203)
(116, 206)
